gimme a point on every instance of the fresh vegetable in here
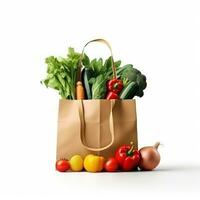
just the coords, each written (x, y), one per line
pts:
(76, 163)
(129, 74)
(62, 73)
(129, 91)
(150, 157)
(80, 93)
(86, 76)
(112, 95)
(93, 163)
(62, 165)
(111, 165)
(127, 157)
(98, 66)
(100, 72)
(98, 87)
(115, 85)
(120, 70)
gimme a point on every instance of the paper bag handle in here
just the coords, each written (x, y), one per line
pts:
(82, 128)
(108, 45)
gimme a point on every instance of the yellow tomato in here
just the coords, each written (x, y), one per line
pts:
(93, 163)
(76, 163)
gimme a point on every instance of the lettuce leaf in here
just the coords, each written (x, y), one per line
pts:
(62, 72)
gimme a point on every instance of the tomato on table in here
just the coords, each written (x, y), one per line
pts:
(62, 165)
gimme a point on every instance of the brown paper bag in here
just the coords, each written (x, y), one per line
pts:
(95, 126)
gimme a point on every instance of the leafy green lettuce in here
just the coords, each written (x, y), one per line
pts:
(62, 73)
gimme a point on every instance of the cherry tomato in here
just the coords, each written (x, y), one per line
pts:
(62, 165)
(111, 165)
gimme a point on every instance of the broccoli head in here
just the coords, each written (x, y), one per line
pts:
(130, 74)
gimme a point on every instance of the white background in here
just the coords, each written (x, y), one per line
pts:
(161, 38)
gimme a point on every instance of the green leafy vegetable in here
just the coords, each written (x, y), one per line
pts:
(100, 72)
(98, 87)
(62, 72)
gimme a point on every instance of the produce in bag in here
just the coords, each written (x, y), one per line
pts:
(95, 80)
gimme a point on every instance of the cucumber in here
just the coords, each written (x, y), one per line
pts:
(86, 75)
(129, 91)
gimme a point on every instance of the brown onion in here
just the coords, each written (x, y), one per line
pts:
(150, 157)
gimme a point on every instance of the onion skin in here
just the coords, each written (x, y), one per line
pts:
(150, 157)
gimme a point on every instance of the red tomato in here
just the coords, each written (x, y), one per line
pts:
(62, 165)
(111, 165)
